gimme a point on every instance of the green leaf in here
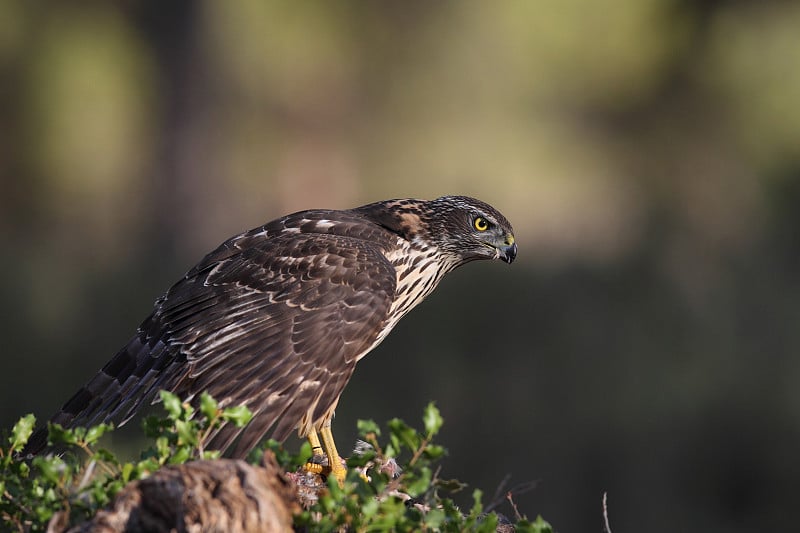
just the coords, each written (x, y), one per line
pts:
(452, 510)
(59, 435)
(127, 470)
(147, 466)
(540, 525)
(487, 523)
(403, 434)
(94, 433)
(105, 456)
(208, 406)
(43, 513)
(368, 426)
(50, 468)
(537, 526)
(187, 432)
(239, 415)
(434, 451)
(303, 455)
(172, 404)
(419, 484)
(328, 503)
(162, 446)
(477, 507)
(152, 426)
(393, 448)
(21, 432)
(435, 518)
(180, 456)
(370, 508)
(432, 420)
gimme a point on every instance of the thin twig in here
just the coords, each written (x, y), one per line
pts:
(606, 525)
(102, 464)
(510, 499)
(87, 474)
(418, 453)
(516, 490)
(498, 496)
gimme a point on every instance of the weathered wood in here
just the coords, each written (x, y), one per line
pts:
(225, 495)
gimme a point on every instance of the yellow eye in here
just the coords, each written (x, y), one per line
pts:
(481, 224)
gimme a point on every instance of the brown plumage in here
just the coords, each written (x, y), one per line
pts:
(277, 317)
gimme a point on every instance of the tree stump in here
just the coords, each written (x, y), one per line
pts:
(223, 495)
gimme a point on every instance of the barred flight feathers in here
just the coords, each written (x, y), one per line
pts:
(276, 318)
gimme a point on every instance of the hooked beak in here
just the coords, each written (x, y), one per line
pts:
(508, 251)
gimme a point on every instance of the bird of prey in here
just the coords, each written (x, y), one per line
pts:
(276, 318)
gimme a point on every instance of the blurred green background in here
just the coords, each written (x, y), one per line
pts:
(647, 152)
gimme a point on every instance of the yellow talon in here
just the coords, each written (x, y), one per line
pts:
(326, 449)
(314, 468)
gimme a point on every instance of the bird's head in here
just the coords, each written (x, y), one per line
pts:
(461, 228)
(467, 229)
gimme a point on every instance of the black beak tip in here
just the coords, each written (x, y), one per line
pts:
(509, 253)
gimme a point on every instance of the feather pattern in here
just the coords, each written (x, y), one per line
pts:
(277, 317)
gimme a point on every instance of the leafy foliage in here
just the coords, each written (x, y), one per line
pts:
(377, 495)
(86, 477)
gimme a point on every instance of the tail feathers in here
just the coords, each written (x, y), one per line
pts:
(116, 392)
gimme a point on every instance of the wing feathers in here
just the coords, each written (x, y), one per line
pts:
(298, 313)
(273, 318)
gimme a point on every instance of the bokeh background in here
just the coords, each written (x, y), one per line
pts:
(646, 341)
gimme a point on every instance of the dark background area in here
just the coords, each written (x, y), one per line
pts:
(646, 341)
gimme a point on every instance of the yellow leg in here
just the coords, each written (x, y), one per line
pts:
(316, 451)
(334, 461)
(313, 440)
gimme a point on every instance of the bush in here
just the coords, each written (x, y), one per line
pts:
(377, 495)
